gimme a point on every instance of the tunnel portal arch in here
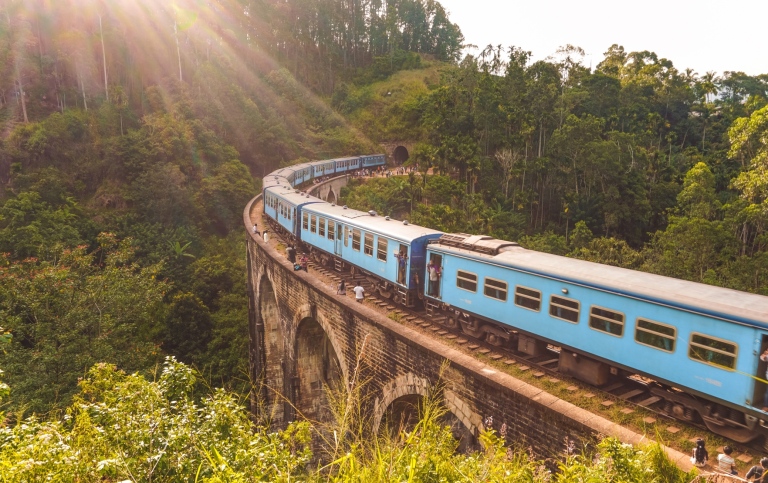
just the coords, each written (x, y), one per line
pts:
(401, 155)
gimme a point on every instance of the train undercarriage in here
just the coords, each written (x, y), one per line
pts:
(730, 422)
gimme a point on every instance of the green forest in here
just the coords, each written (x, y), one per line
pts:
(135, 131)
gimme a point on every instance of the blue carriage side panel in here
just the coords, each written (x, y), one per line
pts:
(368, 242)
(370, 161)
(675, 366)
(287, 209)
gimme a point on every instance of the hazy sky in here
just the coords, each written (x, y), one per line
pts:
(704, 35)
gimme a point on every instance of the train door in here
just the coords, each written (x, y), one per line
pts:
(761, 387)
(402, 264)
(434, 275)
(338, 241)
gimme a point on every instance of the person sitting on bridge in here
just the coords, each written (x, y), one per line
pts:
(304, 262)
(700, 454)
(725, 462)
(290, 252)
(758, 472)
(256, 230)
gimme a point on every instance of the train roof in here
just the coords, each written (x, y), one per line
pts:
(691, 296)
(293, 196)
(382, 225)
(274, 182)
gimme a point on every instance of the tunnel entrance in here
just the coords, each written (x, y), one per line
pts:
(317, 367)
(400, 154)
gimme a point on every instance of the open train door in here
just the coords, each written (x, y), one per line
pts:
(339, 239)
(434, 275)
(760, 387)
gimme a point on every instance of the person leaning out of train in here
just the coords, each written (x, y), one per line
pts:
(758, 472)
(764, 358)
(725, 462)
(434, 278)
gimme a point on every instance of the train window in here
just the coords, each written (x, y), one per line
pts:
(321, 228)
(368, 247)
(466, 281)
(709, 350)
(355, 240)
(381, 249)
(654, 334)
(607, 321)
(528, 298)
(313, 224)
(331, 228)
(305, 221)
(564, 309)
(496, 289)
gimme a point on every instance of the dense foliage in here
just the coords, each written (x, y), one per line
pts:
(124, 427)
(665, 168)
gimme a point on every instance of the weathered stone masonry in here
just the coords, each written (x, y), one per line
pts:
(302, 333)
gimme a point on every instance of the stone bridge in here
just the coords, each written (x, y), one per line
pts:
(304, 338)
(331, 189)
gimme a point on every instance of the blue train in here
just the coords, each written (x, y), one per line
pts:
(699, 344)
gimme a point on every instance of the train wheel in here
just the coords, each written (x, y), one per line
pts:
(451, 321)
(386, 294)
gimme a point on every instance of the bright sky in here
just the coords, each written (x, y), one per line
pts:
(705, 35)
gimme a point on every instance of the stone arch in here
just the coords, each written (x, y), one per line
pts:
(267, 334)
(409, 390)
(317, 364)
(400, 155)
(466, 424)
(406, 385)
(331, 197)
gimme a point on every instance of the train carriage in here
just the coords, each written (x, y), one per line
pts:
(373, 160)
(389, 251)
(345, 164)
(283, 205)
(271, 181)
(687, 335)
(323, 168)
(302, 173)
